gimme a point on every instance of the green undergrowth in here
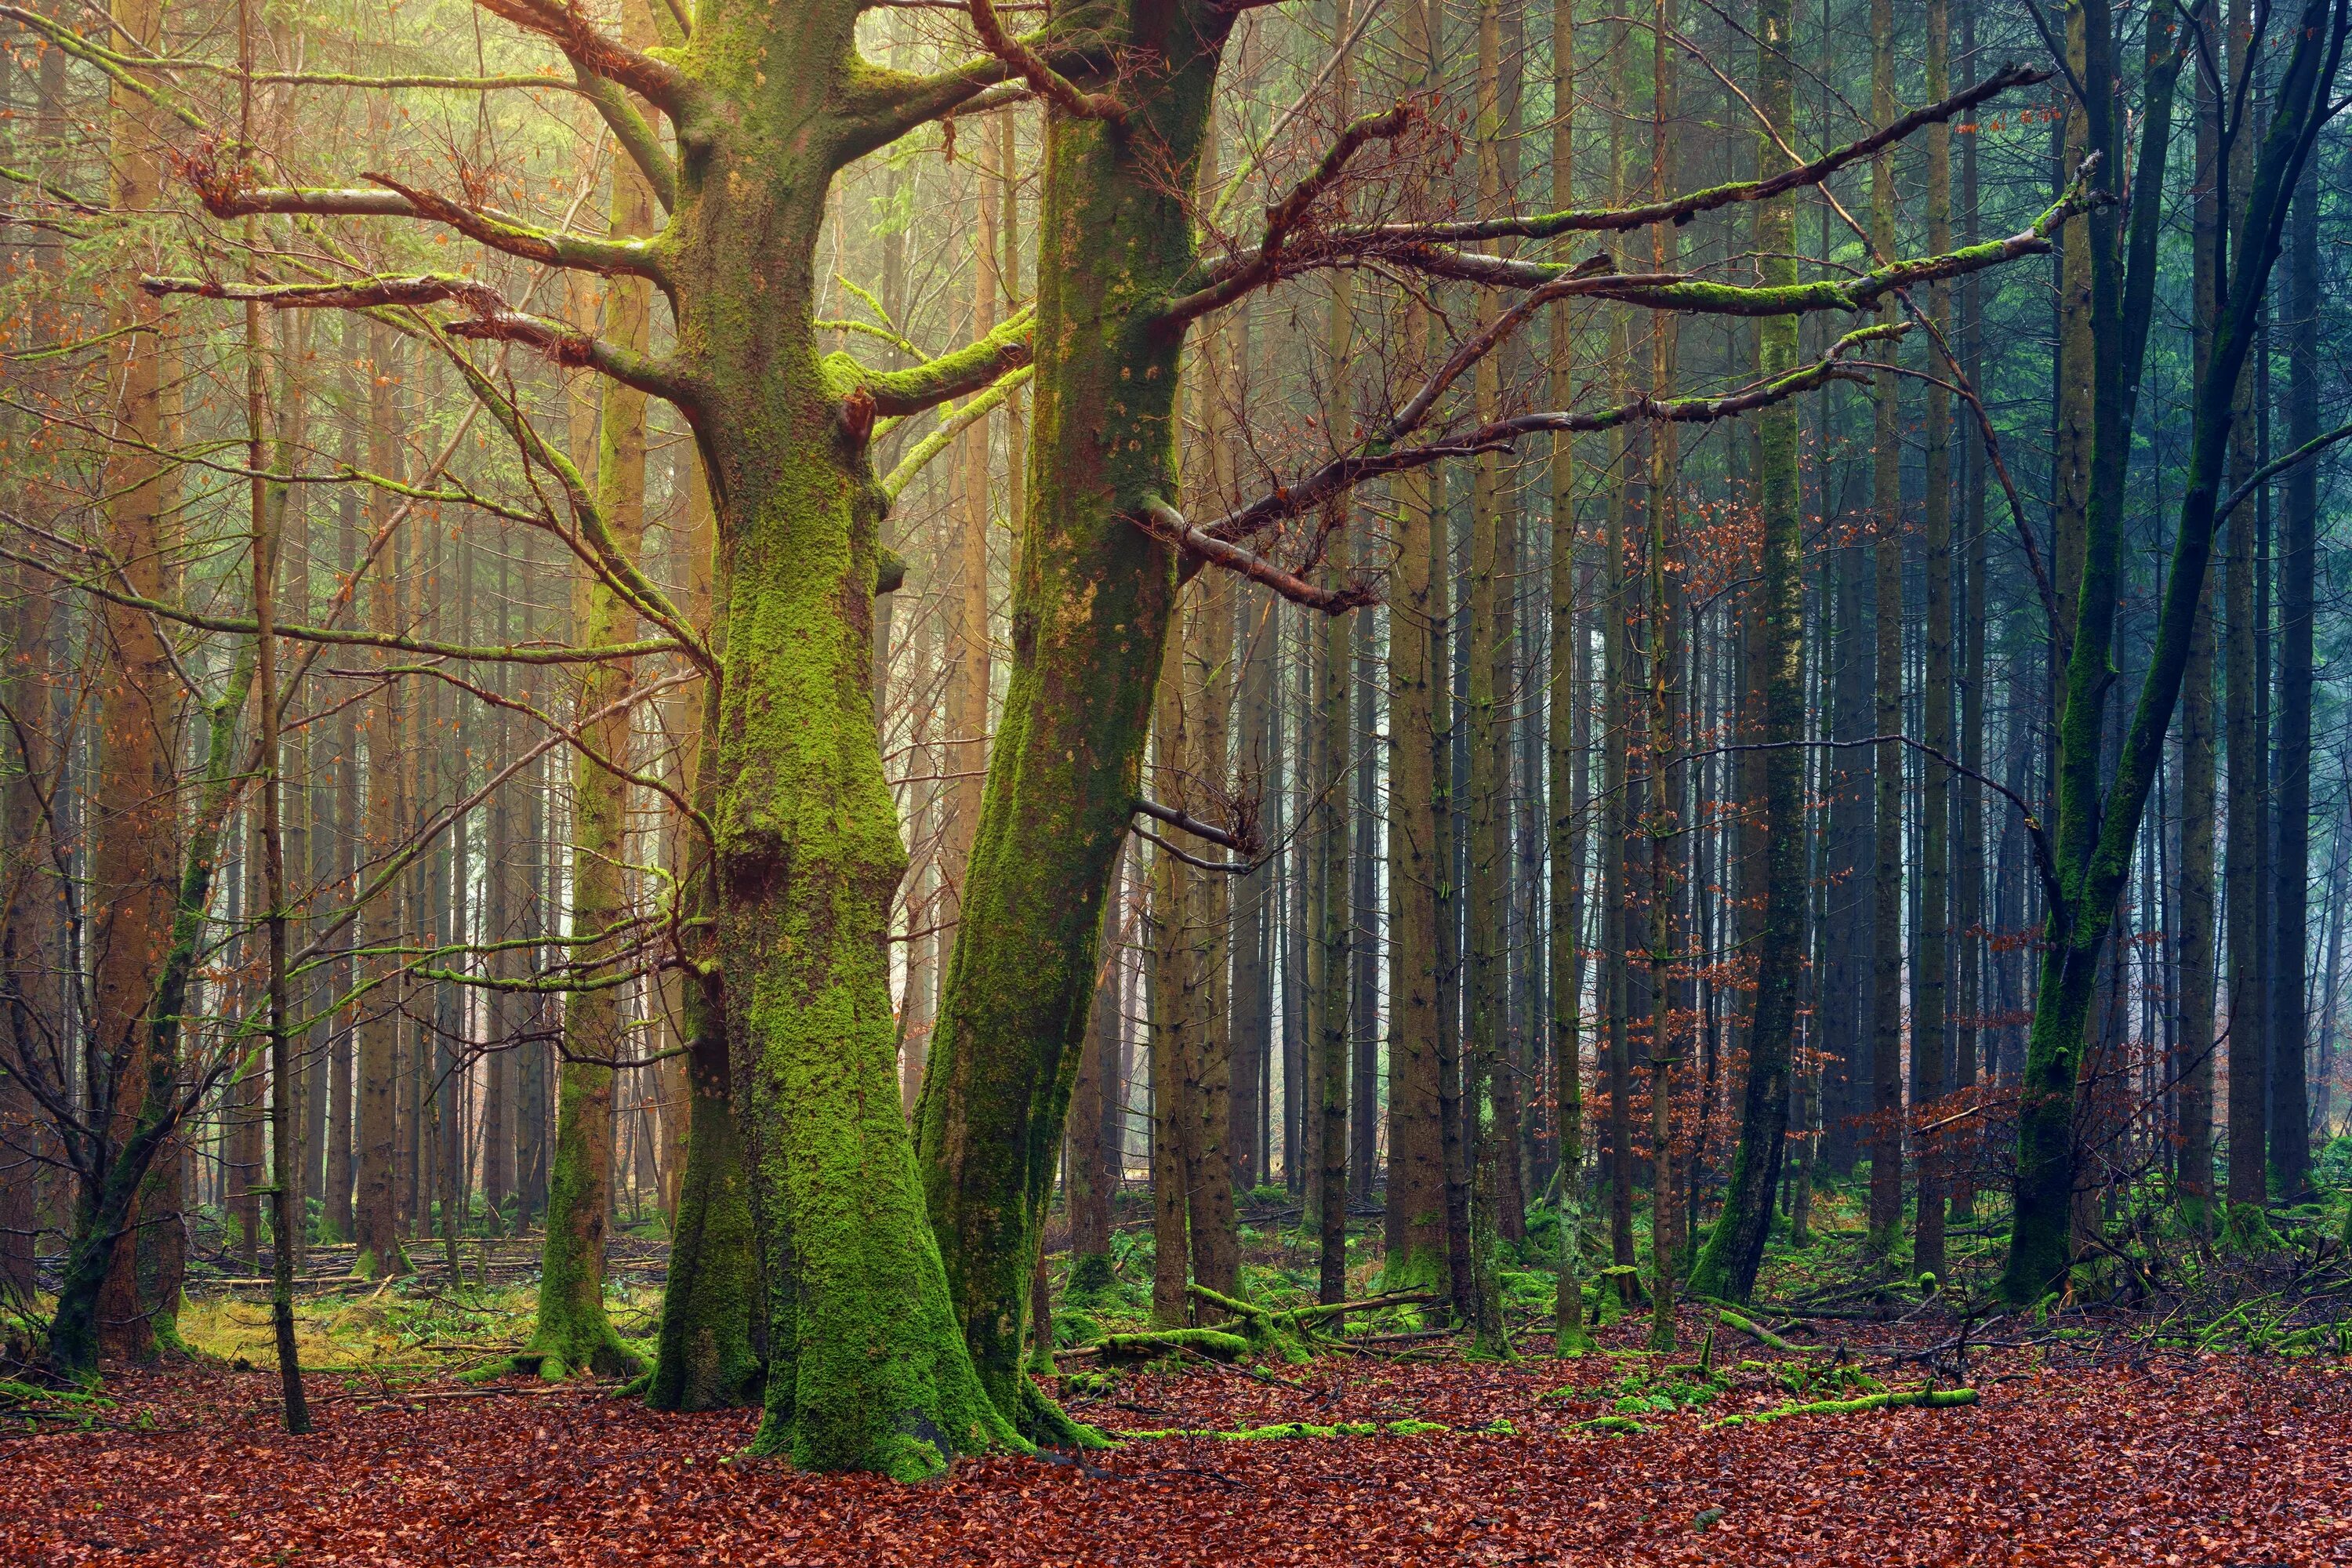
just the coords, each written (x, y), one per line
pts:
(1337, 1429)
(405, 1328)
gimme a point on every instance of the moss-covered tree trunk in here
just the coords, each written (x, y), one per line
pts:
(1092, 606)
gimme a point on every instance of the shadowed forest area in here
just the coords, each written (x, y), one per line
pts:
(1174, 780)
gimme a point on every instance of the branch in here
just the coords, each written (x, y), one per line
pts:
(2274, 468)
(1266, 258)
(918, 456)
(119, 68)
(594, 543)
(895, 102)
(437, 83)
(966, 371)
(1854, 295)
(1345, 473)
(1681, 209)
(1248, 843)
(1165, 523)
(492, 320)
(246, 625)
(1049, 83)
(569, 28)
(226, 194)
(636, 138)
(1230, 867)
(2045, 861)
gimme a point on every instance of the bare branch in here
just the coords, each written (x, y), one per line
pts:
(1343, 474)
(246, 625)
(1288, 214)
(1245, 843)
(1683, 209)
(1165, 523)
(492, 319)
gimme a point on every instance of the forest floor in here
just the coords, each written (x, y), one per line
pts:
(2090, 1445)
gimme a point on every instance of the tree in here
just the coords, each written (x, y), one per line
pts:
(866, 1368)
(2084, 866)
(1120, 283)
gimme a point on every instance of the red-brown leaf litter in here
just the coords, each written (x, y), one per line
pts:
(2111, 1455)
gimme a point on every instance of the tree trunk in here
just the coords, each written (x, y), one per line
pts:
(376, 1220)
(1886, 882)
(1418, 1248)
(1092, 603)
(2290, 1142)
(574, 1331)
(1327, 967)
(1568, 738)
(1929, 1000)
(131, 794)
(1735, 1248)
(1175, 1128)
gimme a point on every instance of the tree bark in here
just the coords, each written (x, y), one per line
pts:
(1735, 1248)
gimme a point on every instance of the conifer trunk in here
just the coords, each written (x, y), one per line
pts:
(1735, 1248)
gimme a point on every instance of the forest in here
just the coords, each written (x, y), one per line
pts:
(1175, 781)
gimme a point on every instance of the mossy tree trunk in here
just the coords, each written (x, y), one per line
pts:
(867, 1367)
(1093, 602)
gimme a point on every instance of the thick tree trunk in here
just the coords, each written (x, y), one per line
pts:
(1092, 603)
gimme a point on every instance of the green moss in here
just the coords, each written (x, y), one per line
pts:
(1931, 1398)
(708, 1359)
(1090, 1275)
